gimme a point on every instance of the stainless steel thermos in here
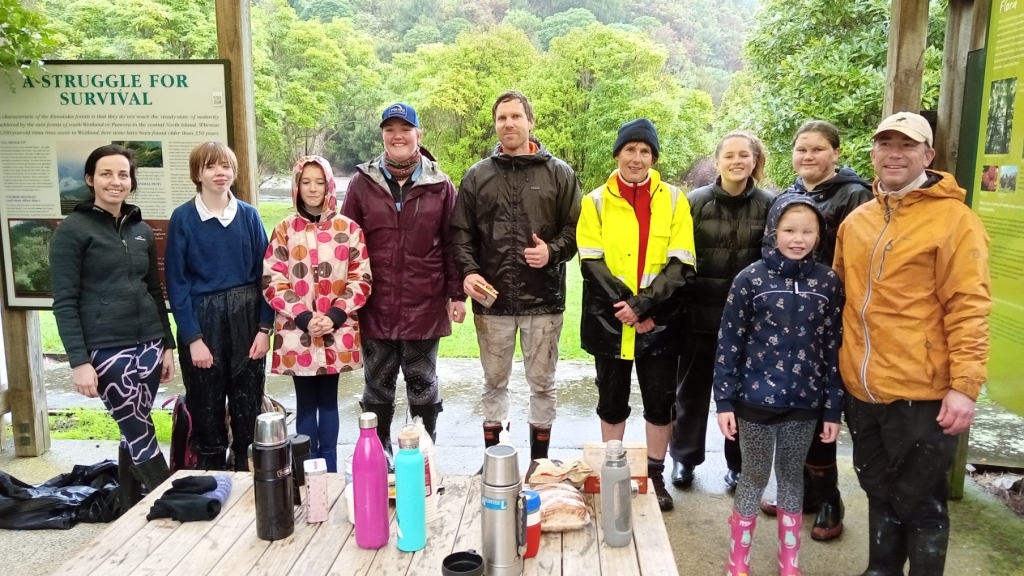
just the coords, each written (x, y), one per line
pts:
(272, 463)
(502, 512)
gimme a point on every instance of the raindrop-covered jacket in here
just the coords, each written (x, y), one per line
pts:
(836, 198)
(503, 201)
(778, 345)
(917, 280)
(608, 240)
(321, 266)
(414, 272)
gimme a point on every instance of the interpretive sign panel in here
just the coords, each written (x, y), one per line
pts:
(50, 125)
(998, 202)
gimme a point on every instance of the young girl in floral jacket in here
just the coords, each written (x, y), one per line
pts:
(776, 371)
(316, 274)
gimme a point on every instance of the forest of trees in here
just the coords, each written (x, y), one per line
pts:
(698, 68)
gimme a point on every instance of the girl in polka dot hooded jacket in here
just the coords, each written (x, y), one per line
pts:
(316, 274)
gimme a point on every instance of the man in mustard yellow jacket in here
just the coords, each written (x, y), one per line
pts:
(915, 342)
(635, 240)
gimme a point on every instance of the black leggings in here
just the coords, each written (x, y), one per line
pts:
(128, 380)
(657, 376)
(229, 321)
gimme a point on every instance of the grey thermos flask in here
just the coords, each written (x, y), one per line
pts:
(272, 478)
(502, 512)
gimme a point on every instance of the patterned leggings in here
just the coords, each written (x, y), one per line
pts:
(789, 441)
(416, 358)
(128, 381)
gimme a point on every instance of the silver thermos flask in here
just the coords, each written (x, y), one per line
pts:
(502, 512)
(272, 478)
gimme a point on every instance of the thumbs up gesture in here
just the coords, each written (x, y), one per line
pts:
(537, 256)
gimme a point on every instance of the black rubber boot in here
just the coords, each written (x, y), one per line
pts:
(825, 484)
(927, 550)
(887, 546)
(130, 490)
(540, 439)
(385, 414)
(492, 431)
(428, 412)
(811, 502)
(656, 475)
(153, 472)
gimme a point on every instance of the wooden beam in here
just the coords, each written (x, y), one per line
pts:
(980, 29)
(904, 69)
(26, 392)
(959, 26)
(234, 43)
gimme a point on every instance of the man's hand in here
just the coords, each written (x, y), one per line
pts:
(201, 357)
(260, 346)
(85, 379)
(727, 424)
(625, 314)
(456, 311)
(167, 366)
(957, 413)
(645, 326)
(830, 432)
(537, 257)
(469, 286)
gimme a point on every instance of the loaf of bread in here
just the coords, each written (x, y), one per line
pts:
(561, 508)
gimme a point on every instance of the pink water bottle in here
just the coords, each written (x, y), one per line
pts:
(370, 486)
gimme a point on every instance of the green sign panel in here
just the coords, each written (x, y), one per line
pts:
(998, 198)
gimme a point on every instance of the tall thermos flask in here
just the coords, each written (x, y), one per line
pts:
(370, 486)
(616, 496)
(502, 512)
(272, 461)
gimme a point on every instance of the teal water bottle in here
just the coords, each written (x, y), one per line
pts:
(410, 492)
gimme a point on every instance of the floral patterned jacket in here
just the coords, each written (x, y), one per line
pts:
(778, 344)
(317, 266)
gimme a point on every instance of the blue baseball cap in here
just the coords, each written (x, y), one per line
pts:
(401, 111)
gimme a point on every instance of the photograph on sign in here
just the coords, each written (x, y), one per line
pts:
(50, 124)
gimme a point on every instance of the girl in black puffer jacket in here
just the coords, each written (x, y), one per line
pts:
(728, 225)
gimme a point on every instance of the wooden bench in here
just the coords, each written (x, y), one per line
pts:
(228, 544)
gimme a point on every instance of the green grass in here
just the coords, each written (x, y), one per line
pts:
(90, 424)
(461, 344)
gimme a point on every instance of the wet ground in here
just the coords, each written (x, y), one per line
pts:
(986, 538)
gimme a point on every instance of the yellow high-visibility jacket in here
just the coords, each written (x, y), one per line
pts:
(608, 240)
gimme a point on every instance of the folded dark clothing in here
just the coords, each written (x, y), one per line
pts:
(194, 485)
(184, 507)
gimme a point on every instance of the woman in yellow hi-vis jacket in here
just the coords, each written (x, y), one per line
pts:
(635, 241)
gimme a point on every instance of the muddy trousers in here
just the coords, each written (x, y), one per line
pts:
(128, 380)
(902, 458)
(693, 400)
(418, 362)
(787, 442)
(229, 321)
(538, 334)
(316, 415)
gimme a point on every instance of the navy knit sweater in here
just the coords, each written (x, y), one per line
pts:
(206, 257)
(778, 344)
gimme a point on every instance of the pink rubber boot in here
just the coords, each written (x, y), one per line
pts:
(789, 543)
(742, 534)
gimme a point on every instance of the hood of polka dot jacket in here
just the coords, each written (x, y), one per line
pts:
(316, 266)
(778, 343)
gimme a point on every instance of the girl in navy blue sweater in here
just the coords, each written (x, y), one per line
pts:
(214, 265)
(776, 372)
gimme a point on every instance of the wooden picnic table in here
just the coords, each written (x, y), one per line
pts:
(228, 544)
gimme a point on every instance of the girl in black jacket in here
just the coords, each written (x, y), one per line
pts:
(728, 225)
(111, 315)
(836, 192)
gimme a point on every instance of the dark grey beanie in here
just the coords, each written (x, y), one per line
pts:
(639, 130)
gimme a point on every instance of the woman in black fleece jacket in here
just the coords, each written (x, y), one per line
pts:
(111, 315)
